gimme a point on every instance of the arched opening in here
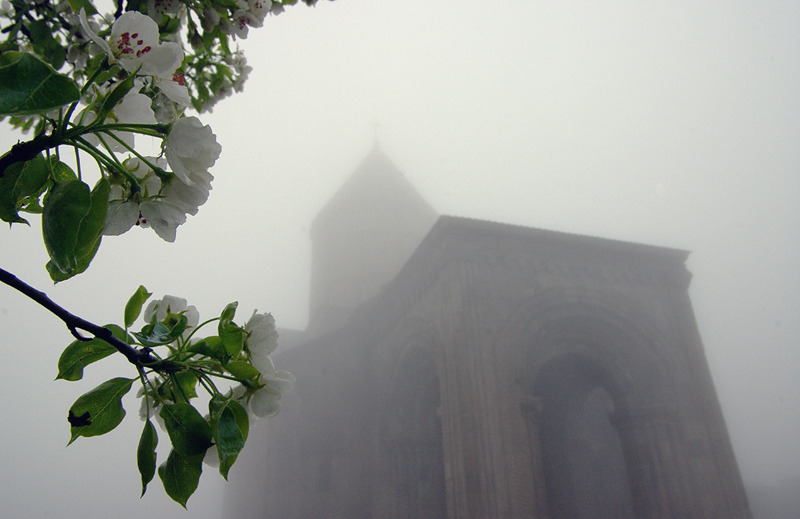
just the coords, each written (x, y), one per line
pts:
(582, 453)
(414, 440)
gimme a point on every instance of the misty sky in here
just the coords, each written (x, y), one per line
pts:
(674, 125)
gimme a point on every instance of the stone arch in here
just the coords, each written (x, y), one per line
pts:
(584, 464)
(411, 435)
(614, 333)
(593, 377)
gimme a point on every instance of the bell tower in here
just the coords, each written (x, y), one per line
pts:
(362, 237)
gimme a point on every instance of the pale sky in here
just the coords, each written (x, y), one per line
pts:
(670, 124)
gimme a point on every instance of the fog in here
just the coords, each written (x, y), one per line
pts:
(674, 125)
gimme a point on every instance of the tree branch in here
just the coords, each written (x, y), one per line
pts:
(138, 357)
(24, 151)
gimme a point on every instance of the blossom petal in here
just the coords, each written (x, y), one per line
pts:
(162, 61)
(191, 147)
(133, 109)
(262, 339)
(188, 197)
(134, 42)
(163, 218)
(283, 381)
(120, 217)
(174, 91)
(159, 307)
(265, 402)
(94, 37)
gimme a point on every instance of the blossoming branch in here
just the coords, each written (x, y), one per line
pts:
(87, 85)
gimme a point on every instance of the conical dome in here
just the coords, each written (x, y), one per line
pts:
(362, 237)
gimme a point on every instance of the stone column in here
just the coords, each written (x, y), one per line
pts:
(659, 478)
(531, 408)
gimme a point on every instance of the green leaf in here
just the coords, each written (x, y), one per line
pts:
(232, 336)
(242, 418)
(188, 431)
(60, 171)
(211, 347)
(8, 201)
(65, 206)
(80, 265)
(146, 454)
(134, 305)
(242, 370)
(100, 410)
(45, 45)
(218, 403)
(187, 381)
(157, 334)
(33, 179)
(94, 221)
(169, 25)
(228, 313)
(180, 475)
(114, 98)
(80, 354)
(229, 437)
(20, 181)
(28, 85)
(99, 65)
(230, 425)
(87, 5)
(90, 233)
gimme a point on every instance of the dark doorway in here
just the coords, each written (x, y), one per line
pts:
(584, 465)
(416, 440)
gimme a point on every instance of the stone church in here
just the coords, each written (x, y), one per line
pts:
(457, 368)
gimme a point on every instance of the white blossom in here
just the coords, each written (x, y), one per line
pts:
(188, 197)
(266, 401)
(262, 339)
(123, 210)
(262, 397)
(152, 404)
(163, 218)
(174, 305)
(134, 44)
(133, 109)
(174, 88)
(162, 208)
(143, 407)
(260, 8)
(242, 21)
(191, 148)
(277, 8)
(158, 8)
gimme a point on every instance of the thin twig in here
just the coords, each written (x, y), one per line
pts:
(138, 357)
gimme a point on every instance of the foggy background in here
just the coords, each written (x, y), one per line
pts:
(675, 125)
